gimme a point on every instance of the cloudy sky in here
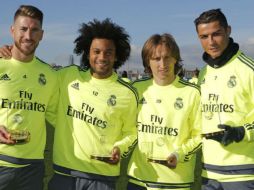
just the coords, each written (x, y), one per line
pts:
(140, 18)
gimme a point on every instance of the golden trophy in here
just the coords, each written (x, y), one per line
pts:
(19, 136)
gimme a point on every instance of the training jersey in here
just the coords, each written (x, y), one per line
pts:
(29, 95)
(94, 115)
(228, 98)
(169, 120)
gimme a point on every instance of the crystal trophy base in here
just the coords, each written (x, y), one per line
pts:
(209, 135)
(103, 158)
(20, 136)
(161, 161)
(157, 161)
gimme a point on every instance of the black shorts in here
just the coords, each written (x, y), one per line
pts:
(25, 178)
(211, 184)
(77, 183)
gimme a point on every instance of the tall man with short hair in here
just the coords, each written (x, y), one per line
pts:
(28, 96)
(227, 96)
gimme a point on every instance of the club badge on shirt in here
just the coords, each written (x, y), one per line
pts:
(178, 103)
(42, 80)
(112, 100)
(232, 81)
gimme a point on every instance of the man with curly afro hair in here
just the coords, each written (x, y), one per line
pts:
(96, 122)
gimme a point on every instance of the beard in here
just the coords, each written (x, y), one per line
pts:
(26, 52)
(102, 71)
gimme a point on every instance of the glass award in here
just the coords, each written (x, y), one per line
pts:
(158, 152)
(101, 149)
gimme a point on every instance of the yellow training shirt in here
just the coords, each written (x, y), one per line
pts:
(29, 95)
(228, 98)
(169, 120)
(94, 115)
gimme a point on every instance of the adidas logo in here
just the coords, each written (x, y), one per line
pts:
(75, 85)
(5, 77)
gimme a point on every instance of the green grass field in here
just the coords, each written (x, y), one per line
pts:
(121, 184)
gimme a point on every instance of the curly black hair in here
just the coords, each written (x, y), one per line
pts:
(104, 29)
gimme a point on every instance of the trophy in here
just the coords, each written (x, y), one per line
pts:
(158, 152)
(19, 136)
(101, 149)
(209, 115)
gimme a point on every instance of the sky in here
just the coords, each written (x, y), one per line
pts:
(140, 18)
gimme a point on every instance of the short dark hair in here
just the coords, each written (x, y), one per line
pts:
(211, 16)
(105, 29)
(151, 44)
(29, 11)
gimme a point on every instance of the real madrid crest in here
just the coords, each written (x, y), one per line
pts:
(42, 80)
(232, 81)
(112, 100)
(178, 103)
